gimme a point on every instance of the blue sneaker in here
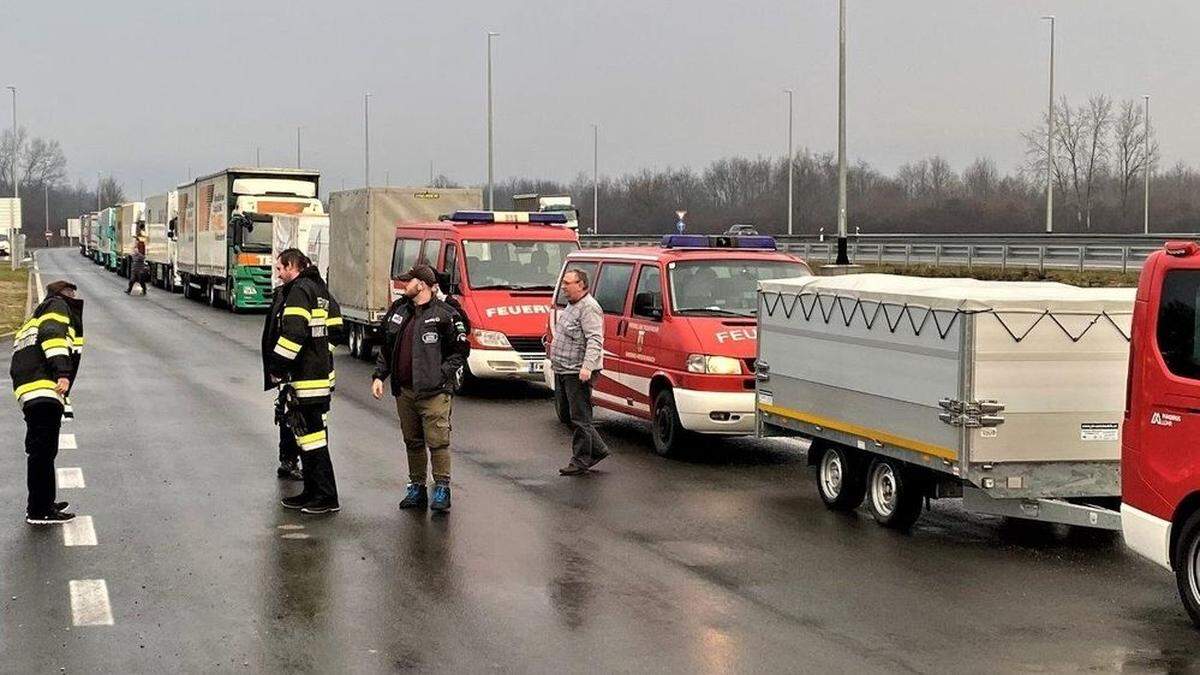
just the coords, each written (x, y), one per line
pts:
(441, 498)
(416, 497)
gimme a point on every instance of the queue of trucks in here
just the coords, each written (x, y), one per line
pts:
(1031, 401)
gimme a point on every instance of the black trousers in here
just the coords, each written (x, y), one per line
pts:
(587, 447)
(43, 421)
(313, 450)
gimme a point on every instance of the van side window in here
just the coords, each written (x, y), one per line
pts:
(404, 255)
(449, 262)
(588, 268)
(649, 284)
(1177, 322)
(613, 286)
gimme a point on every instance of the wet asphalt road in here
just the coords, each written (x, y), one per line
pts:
(723, 562)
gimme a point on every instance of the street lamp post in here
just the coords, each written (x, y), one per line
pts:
(367, 140)
(595, 178)
(789, 161)
(842, 257)
(1050, 137)
(16, 146)
(490, 167)
(298, 128)
(1146, 197)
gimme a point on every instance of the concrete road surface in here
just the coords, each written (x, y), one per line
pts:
(724, 562)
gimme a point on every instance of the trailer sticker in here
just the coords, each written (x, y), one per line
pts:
(864, 432)
(988, 432)
(1098, 431)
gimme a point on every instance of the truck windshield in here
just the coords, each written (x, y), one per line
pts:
(724, 287)
(519, 265)
(258, 239)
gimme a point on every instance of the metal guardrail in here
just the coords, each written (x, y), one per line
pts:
(1081, 252)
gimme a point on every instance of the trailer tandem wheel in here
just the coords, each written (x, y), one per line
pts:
(841, 476)
(893, 494)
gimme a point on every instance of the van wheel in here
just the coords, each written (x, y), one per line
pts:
(893, 495)
(668, 432)
(562, 409)
(1187, 566)
(841, 479)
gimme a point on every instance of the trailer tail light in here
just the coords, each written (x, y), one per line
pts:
(1181, 249)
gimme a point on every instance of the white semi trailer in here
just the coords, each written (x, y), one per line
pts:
(162, 249)
(1009, 395)
(225, 231)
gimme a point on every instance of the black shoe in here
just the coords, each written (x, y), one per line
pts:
(319, 506)
(417, 497)
(572, 469)
(441, 498)
(61, 506)
(55, 518)
(298, 502)
(289, 470)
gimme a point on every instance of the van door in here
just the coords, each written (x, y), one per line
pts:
(1171, 383)
(643, 335)
(612, 290)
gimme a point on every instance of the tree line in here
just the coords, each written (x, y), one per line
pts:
(1097, 161)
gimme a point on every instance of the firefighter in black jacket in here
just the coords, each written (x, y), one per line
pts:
(424, 348)
(303, 323)
(45, 361)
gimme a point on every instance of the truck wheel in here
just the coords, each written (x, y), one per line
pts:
(668, 432)
(562, 409)
(366, 350)
(187, 288)
(212, 295)
(231, 297)
(841, 481)
(893, 495)
(1187, 566)
(352, 341)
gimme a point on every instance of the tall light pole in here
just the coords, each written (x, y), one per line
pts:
(789, 159)
(99, 187)
(1050, 137)
(16, 146)
(367, 140)
(490, 167)
(595, 178)
(298, 128)
(1146, 198)
(842, 257)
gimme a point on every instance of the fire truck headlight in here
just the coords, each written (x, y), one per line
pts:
(491, 339)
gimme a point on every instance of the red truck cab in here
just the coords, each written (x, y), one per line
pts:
(680, 331)
(1160, 445)
(500, 266)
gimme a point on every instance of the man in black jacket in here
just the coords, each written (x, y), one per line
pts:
(424, 346)
(45, 361)
(297, 359)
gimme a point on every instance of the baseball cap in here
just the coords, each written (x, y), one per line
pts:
(423, 272)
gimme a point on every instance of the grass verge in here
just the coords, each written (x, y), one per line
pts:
(1087, 278)
(13, 286)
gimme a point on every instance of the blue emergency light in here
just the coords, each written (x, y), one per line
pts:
(756, 242)
(509, 217)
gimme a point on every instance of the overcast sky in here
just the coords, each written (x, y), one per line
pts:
(145, 89)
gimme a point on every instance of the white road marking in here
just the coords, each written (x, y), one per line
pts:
(69, 477)
(295, 535)
(67, 442)
(89, 603)
(290, 527)
(79, 532)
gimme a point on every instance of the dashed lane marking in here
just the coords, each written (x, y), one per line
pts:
(295, 535)
(67, 442)
(290, 527)
(79, 532)
(69, 477)
(89, 603)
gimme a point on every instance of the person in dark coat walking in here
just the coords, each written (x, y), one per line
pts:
(138, 270)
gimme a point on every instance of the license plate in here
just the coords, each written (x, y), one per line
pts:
(537, 366)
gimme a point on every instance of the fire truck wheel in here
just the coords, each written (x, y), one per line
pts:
(841, 478)
(669, 435)
(1187, 566)
(893, 495)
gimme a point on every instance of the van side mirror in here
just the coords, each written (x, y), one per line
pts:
(648, 304)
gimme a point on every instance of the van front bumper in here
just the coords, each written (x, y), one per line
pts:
(502, 364)
(715, 412)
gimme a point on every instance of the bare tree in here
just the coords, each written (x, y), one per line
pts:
(43, 163)
(111, 192)
(981, 179)
(1129, 151)
(1097, 118)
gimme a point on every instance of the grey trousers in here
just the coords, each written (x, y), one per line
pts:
(587, 447)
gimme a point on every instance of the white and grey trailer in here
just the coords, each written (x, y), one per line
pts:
(1007, 394)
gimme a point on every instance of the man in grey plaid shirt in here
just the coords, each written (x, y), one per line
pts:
(576, 356)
